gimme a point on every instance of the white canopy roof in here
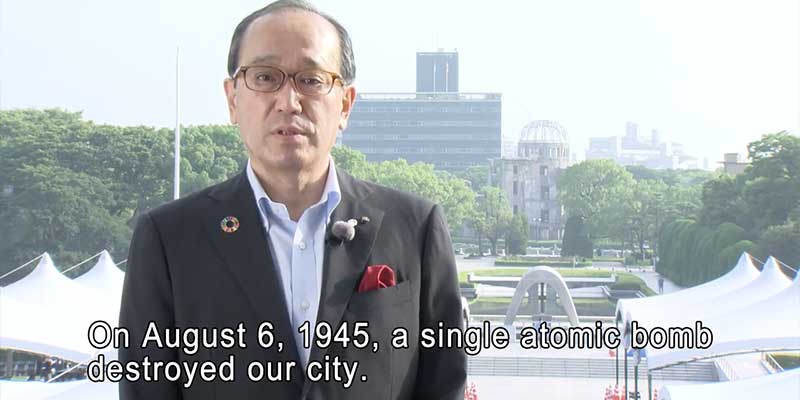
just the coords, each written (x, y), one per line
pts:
(770, 324)
(105, 275)
(784, 385)
(48, 313)
(743, 273)
(769, 282)
(105, 278)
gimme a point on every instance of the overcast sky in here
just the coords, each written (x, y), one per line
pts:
(711, 74)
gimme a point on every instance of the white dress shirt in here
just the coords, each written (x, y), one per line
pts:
(297, 250)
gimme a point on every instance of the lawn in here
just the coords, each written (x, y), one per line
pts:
(787, 360)
(499, 305)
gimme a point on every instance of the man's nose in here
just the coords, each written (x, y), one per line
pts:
(287, 99)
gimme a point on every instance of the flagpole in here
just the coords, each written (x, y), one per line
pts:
(176, 192)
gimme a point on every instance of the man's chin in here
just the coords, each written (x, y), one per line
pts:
(286, 164)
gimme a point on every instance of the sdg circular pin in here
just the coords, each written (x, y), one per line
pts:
(229, 224)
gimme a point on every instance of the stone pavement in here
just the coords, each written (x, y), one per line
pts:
(522, 388)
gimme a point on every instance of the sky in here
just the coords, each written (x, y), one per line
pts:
(711, 74)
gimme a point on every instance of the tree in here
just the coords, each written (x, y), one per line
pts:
(61, 211)
(772, 185)
(576, 240)
(517, 235)
(350, 160)
(783, 242)
(644, 212)
(494, 215)
(592, 189)
(210, 154)
(422, 179)
(477, 175)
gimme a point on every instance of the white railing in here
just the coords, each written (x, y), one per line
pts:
(727, 369)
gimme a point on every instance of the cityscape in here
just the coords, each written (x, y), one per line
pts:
(603, 169)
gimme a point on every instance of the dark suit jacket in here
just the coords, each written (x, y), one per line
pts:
(183, 271)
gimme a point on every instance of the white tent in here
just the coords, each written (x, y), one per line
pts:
(48, 313)
(770, 324)
(743, 273)
(29, 327)
(104, 278)
(780, 386)
(48, 288)
(769, 282)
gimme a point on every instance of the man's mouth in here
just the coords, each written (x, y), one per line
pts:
(287, 132)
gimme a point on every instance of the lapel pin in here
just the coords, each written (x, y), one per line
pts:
(229, 224)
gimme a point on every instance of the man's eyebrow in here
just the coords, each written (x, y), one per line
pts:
(272, 59)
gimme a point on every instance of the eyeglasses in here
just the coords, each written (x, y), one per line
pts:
(269, 79)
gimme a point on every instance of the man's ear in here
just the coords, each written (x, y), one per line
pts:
(230, 95)
(348, 100)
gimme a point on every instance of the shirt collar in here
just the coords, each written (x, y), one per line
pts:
(331, 195)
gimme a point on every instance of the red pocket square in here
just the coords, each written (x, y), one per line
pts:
(376, 277)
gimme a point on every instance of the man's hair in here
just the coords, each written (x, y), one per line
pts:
(348, 64)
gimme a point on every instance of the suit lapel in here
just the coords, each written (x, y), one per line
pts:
(344, 264)
(247, 255)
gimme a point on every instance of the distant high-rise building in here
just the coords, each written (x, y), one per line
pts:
(632, 130)
(630, 150)
(733, 163)
(453, 131)
(655, 138)
(437, 72)
(436, 124)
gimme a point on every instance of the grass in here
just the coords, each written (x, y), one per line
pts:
(519, 271)
(608, 259)
(787, 360)
(499, 305)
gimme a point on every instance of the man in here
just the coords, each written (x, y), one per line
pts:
(260, 247)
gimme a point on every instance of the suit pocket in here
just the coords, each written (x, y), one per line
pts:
(381, 298)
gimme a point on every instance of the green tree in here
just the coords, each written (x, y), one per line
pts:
(517, 235)
(477, 175)
(772, 186)
(576, 241)
(61, 211)
(494, 215)
(593, 189)
(210, 154)
(352, 161)
(783, 242)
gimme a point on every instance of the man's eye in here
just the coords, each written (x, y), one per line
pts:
(311, 81)
(265, 78)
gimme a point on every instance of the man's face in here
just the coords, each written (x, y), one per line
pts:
(286, 130)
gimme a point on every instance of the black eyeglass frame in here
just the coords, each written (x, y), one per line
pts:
(243, 71)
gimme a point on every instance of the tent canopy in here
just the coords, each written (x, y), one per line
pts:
(770, 324)
(743, 273)
(48, 313)
(783, 385)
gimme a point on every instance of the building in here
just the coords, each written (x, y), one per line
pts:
(437, 72)
(633, 150)
(530, 177)
(733, 163)
(436, 124)
(453, 131)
